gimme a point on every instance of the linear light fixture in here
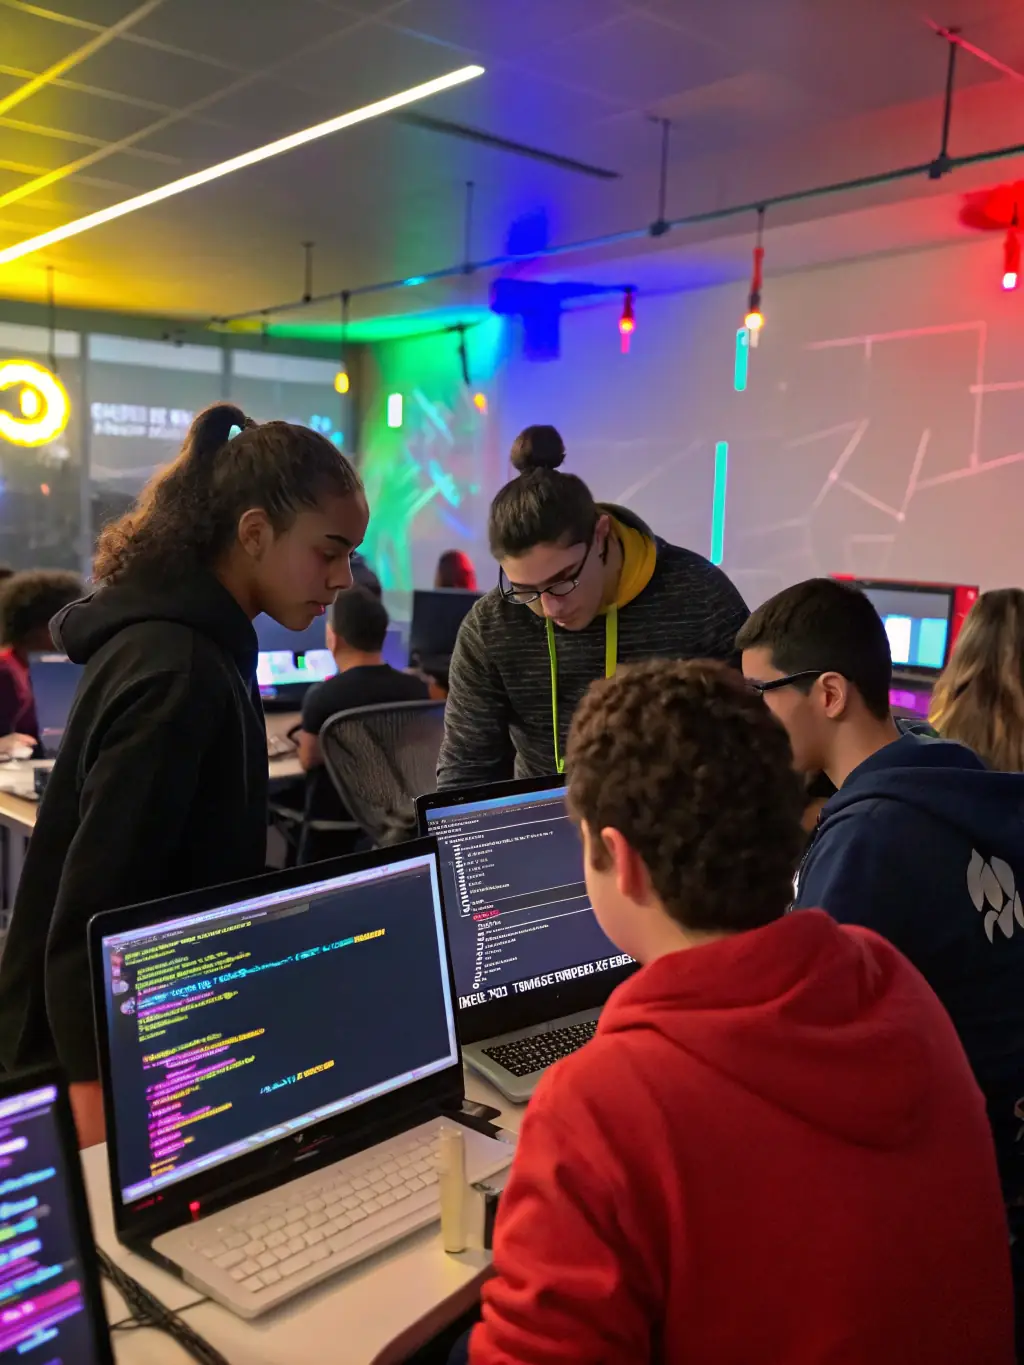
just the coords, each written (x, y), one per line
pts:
(236, 163)
(718, 502)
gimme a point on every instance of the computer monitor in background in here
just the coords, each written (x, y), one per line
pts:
(54, 680)
(51, 1309)
(922, 621)
(395, 652)
(290, 661)
(436, 617)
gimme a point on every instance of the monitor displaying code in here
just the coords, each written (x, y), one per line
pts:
(519, 917)
(233, 1028)
(44, 1314)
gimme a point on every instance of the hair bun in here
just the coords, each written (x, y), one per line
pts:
(211, 428)
(538, 448)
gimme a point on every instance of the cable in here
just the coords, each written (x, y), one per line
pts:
(148, 1311)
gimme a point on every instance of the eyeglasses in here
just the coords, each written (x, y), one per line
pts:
(522, 597)
(762, 687)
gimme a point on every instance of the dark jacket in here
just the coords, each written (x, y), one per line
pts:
(160, 787)
(498, 719)
(925, 845)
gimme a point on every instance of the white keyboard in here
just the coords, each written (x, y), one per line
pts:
(257, 1254)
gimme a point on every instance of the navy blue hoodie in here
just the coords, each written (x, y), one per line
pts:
(925, 845)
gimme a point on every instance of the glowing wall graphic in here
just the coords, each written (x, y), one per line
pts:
(429, 480)
(880, 432)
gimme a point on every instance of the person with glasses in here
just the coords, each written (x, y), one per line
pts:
(921, 842)
(582, 587)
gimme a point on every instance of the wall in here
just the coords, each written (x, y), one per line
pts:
(429, 481)
(882, 430)
(132, 399)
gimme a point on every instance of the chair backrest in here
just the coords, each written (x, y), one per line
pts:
(380, 758)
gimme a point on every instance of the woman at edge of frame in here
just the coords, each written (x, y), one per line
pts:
(582, 587)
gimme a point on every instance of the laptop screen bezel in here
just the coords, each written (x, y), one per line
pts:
(22, 1083)
(548, 1003)
(326, 1141)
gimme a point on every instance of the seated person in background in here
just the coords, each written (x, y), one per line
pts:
(28, 602)
(773, 1149)
(455, 570)
(979, 699)
(921, 842)
(357, 623)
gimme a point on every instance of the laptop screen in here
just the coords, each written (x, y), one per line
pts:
(233, 1028)
(917, 622)
(519, 918)
(48, 1313)
(54, 681)
(291, 659)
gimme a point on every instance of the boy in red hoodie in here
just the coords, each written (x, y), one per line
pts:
(774, 1149)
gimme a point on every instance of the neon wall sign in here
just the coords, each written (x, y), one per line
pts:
(43, 404)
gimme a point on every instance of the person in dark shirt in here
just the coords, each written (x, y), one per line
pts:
(356, 626)
(160, 785)
(27, 603)
(921, 842)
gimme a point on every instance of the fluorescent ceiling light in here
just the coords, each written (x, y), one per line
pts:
(236, 163)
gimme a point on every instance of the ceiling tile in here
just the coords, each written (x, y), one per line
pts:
(243, 33)
(507, 31)
(635, 59)
(34, 43)
(130, 69)
(99, 118)
(368, 64)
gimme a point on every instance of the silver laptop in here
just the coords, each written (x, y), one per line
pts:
(532, 965)
(278, 1057)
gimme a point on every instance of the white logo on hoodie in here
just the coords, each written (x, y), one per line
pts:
(992, 883)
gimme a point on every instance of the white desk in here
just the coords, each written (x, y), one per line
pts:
(377, 1313)
(18, 817)
(17, 820)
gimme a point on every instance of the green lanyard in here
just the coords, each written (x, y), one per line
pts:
(611, 654)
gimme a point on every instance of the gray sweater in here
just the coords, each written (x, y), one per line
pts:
(498, 718)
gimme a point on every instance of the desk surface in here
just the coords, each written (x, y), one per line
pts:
(279, 723)
(17, 812)
(377, 1313)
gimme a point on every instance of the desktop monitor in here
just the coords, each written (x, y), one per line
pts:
(436, 618)
(51, 1310)
(252, 1026)
(526, 946)
(922, 620)
(290, 661)
(54, 680)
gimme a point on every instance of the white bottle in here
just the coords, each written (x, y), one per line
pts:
(451, 1180)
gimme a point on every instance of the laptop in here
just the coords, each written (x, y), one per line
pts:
(54, 680)
(532, 965)
(277, 1057)
(51, 1308)
(289, 662)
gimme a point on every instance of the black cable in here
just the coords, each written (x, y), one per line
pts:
(148, 1311)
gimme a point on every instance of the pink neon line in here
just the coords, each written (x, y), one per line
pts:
(872, 502)
(822, 435)
(968, 471)
(922, 449)
(894, 336)
(1009, 387)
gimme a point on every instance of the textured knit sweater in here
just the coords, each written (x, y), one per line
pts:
(498, 721)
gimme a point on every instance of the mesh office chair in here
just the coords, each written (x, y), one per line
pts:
(380, 758)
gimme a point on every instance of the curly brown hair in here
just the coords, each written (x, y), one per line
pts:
(689, 765)
(188, 513)
(29, 599)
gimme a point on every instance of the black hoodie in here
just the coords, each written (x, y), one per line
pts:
(160, 787)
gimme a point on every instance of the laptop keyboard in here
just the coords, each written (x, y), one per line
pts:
(539, 1050)
(283, 1236)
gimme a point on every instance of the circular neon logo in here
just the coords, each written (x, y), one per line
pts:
(43, 404)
